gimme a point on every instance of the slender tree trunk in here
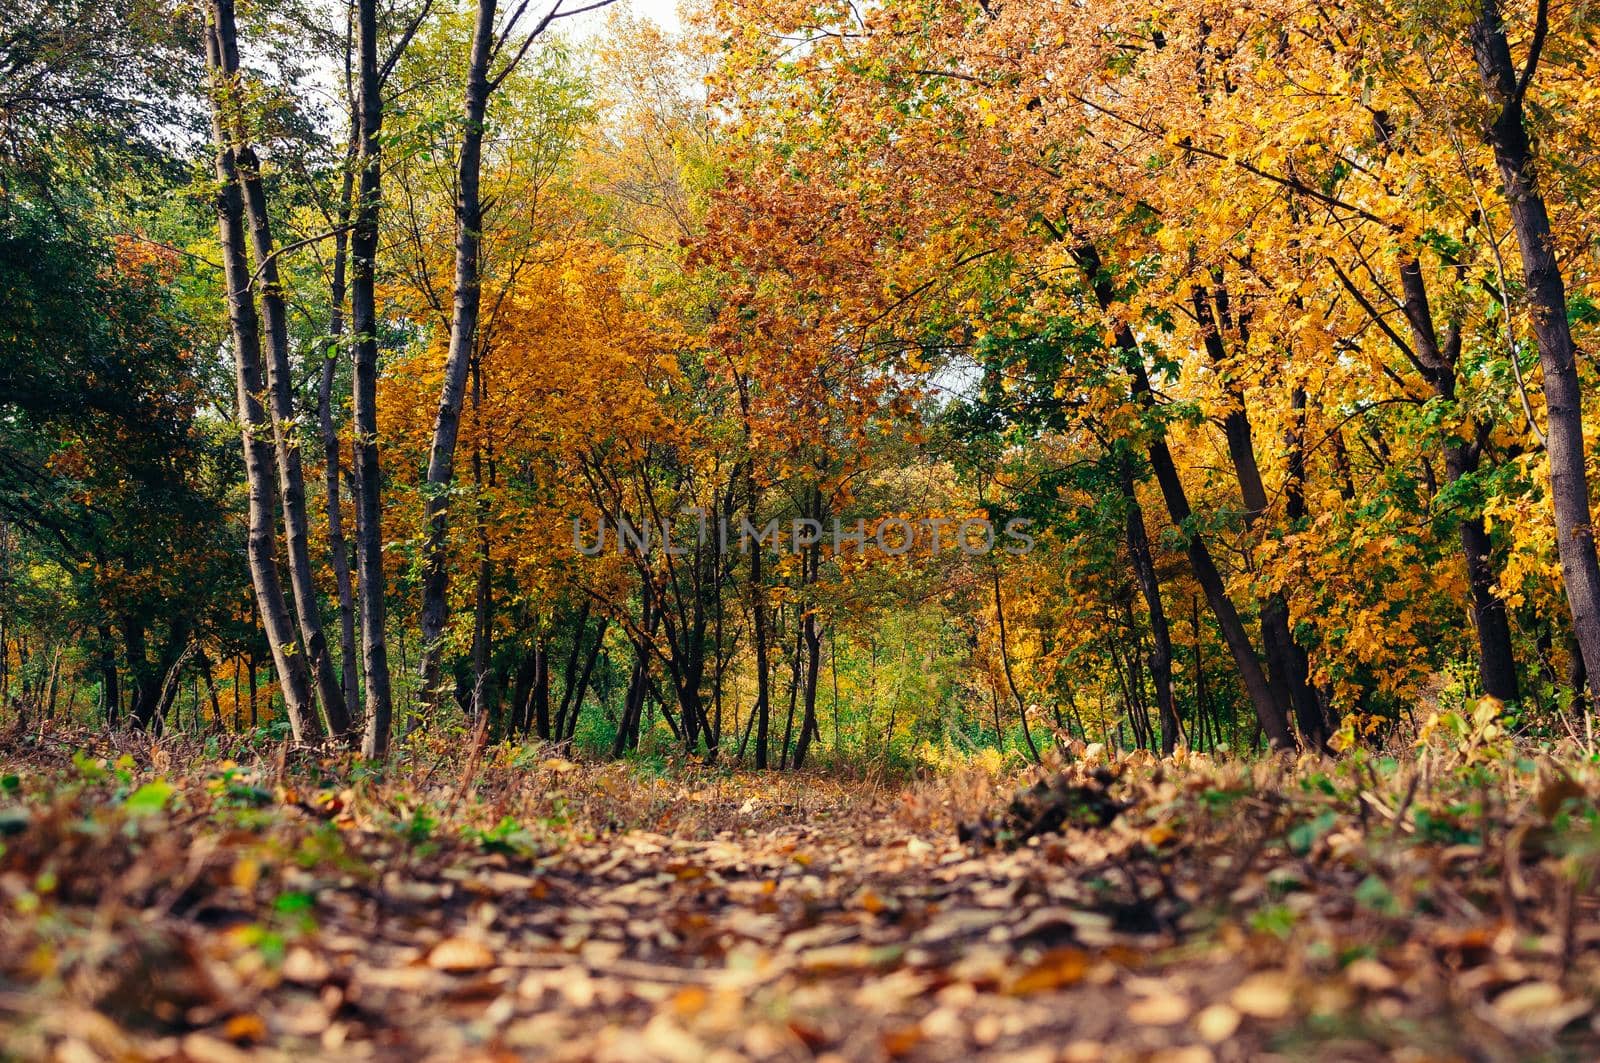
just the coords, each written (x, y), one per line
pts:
(811, 634)
(541, 689)
(279, 380)
(812, 637)
(632, 707)
(758, 622)
(338, 550)
(1269, 710)
(109, 692)
(1288, 670)
(794, 695)
(288, 661)
(522, 692)
(463, 337)
(204, 663)
(483, 474)
(572, 710)
(638, 681)
(1144, 568)
(1497, 666)
(1546, 294)
(1005, 663)
(1200, 711)
(364, 388)
(1577, 679)
(569, 674)
(53, 686)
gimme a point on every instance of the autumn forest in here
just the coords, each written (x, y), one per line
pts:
(919, 529)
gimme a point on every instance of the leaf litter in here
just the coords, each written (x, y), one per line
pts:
(163, 903)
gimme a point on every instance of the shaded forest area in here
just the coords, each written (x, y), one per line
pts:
(942, 527)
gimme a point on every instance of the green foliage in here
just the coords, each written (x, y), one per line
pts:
(149, 799)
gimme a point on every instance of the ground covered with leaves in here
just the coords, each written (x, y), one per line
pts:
(169, 901)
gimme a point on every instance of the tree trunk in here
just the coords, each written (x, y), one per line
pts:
(1005, 664)
(483, 474)
(794, 694)
(1546, 293)
(632, 707)
(1150, 585)
(1288, 670)
(572, 697)
(288, 661)
(1269, 711)
(541, 689)
(463, 337)
(364, 388)
(279, 380)
(522, 692)
(1497, 666)
(758, 622)
(569, 672)
(204, 663)
(338, 551)
(811, 634)
(109, 692)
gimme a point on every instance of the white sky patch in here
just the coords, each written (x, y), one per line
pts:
(663, 13)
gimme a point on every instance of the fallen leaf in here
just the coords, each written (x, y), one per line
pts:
(460, 954)
(1159, 1009)
(245, 1029)
(1217, 1023)
(1367, 973)
(305, 967)
(1056, 968)
(1539, 1004)
(901, 1041)
(690, 1001)
(1263, 996)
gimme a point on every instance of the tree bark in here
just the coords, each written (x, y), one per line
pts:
(1288, 669)
(1497, 666)
(338, 549)
(811, 634)
(1150, 586)
(463, 337)
(280, 394)
(364, 388)
(1546, 294)
(1270, 712)
(109, 692)
(541, 689)
(288, 661)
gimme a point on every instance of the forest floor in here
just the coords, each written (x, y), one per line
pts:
(165, 900)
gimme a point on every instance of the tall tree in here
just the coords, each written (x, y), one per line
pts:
(289, 660)
(481, 81)
(364, 387)
(279, 378)
(1506, 88)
